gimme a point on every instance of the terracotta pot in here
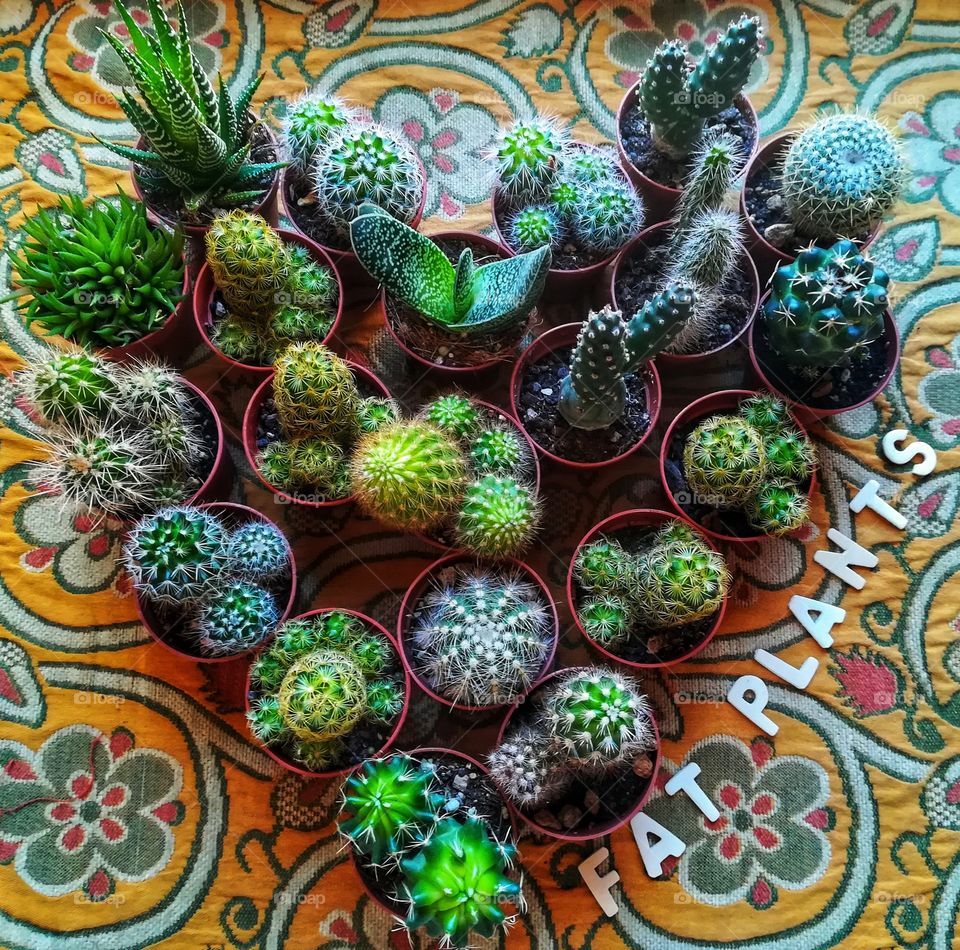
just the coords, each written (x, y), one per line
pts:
(601, 828)
(234, 514)
(251, 419)
(767, 257)
(637, 518)
(769, 378)
(713, 404)
(559, 338)
(680, 362)
(661, 199)
(205, 287)
(292, 766)
(411, 600)
(220, 477)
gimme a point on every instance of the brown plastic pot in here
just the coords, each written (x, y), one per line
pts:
(766, 256)
(233, 514)
(411, 600)
(251, 419)
(678, 362)
(560, 338)
(713, 404)
(292, 766)
(637, 518)
(661, 199)
(768, 376)
(205, 287)
(602, 828)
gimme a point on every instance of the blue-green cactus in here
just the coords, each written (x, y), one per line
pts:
(658, 323)
(258, 549)
(234, 618)
(536, 226)
(606, 216)
(528, 155)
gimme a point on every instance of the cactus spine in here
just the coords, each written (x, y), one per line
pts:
(498, 517)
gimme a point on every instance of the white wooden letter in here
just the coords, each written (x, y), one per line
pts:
(903, 456)
(666, 845)
(796, 676)
(828, 616)
(838, 562)
(686, 781)
(869, 497)
(599, 886)
(752, 708)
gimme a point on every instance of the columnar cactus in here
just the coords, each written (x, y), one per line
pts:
(710, 249)
(257, 550)
(72, 388)
(677, 98)
(310, 121)
(717, 160)
(660, 321)
(826, 306)
(498, 517)
(527, 770)
(234, 618)
(841, 175)
(528, 155)
(724, 460)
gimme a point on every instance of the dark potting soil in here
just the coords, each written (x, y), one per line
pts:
(432, 342)
(538, 400)
(201, 415)
(304, 211)
(469, 793)
(640, 276)
(662, 168)
(652, 645)
(831, 387)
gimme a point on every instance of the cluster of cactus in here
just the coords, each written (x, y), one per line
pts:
(197, 139)
(463, 298)
(453, 469)
(481, 637)
(677, 96)
(559, 192)
(827, 306)
(218, 579)
(589, 722)
(841, 174)
(322, 677)
(120, 439)
(676, 579)
(452, 871)
(756, 461)
(99, 275)
(275, 294)
(593, 394)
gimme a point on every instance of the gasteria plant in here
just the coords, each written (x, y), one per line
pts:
(197, 140)
(99, 274)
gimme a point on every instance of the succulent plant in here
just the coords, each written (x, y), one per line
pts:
(589, 166)
(724, 460)
(312, 285)
(463, 299)
(150, 391)
(388, 808)
(292, 324)
(710, 249)
(660, 321)
(375, 412)
(528, 155)
(717, 160)
(316, 462)
(536, 226)
(607, 619)
(456, 414)
(233, 618)
(828, 305)
(176, 442)
(841, 175)
(100, 274)
(497, 450)
(457, 883)
(197, 140)
(789, 455)
(481, 637)
(69, 387)
(323, 695)
(677, 98)
(309, 123)
(409, 475)
(527, 769)
(606, 216)
(778, 507)
(258, 550)
(767, 414)
(498, 517)
(239, 339)
(603, 566)
(273, 463)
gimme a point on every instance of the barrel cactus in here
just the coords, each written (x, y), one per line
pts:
(724, 461)
(606, 216)
(527, 770)
(454, 413)
(528, 155)
(536, 226)
(310, 121)
(778, 507)
(257, 549)
(497, 450)
(498, 517)
(234, 618)
(607, 619)
(69, 387)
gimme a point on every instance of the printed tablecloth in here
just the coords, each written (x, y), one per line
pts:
(841, 831)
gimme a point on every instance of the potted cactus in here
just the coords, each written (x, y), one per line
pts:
(835, 178)
(578, 757)
(262, 289)
(703, 247)
(101, 276)
(338, 163)
(566, 195)
(739, 465)
(447, 310)
(302, 422)
(121, 439)
(200, 149)
(825, 340)
(647, 589)
(460, 475)
(212, 581)
(433, 844)
(590, 395)
(328, 692)
(676, 100)
(477, 638)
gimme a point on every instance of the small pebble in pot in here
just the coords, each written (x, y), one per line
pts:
(570, 816)
(547, 820)
(451, 805)
(643, 766)
(592, 802)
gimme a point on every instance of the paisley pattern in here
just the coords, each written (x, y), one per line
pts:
(134, 811)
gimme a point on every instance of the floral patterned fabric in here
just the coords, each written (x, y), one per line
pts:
(134, 809)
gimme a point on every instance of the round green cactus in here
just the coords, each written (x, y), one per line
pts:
(789, 455)
(310, 121)
(564, 197)
(603, 566)
(767, 414)
(528, 155)
(150, 391)
(72, 388)
(536, 226)
(607, 619)
(590, 166)
(778, 507)
(375, 412)
(497, 450)
(234, 618)
(274, 464)
(311, 285)
(177, 443)
(498, 517)
(454, 413)
(315, 463)
(322, 696)
(258, 549)
(293, 324)
(606, 217)
(266, 722)
(724, 461)
(240, 339)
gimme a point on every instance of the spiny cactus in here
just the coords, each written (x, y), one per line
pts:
(841, 175)
(789, 455)
(149, 391)
(528, 155)
(664, 318)
(536, 226)
(457, 883)
(322, 696)
(826, 306)
(292, 324)
(497, 450)
(724, 460)
(315, 462)
(409, 475)
(589, 166)
(604, 566)
(454, 413)
(606, 216)
(273, 463)
(258, 550)
(388, 808)
(177, 443)
(777, 507)
(607, 619)
(234, 618)
(767, 414)
(498, 517)
(677, 99)
(717, 160)
(176, 555)
(72, 388)
(310, 121)
(375, 412)
(482, 637)
(312, 285)
(710, 249)
(527, 770)
(235, 336)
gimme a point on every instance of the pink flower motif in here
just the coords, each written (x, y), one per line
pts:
(869, 684)
(444, 100)
(940, 358)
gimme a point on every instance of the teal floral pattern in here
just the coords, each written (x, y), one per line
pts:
(939, 392)
(933, 149)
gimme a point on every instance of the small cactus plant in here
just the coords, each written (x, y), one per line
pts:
(777, 507)
(604, 566)
(149, 391)
(607, 619)
(606, 216)
(375, 412)
(257, 549)
(234, 618)
(536, 226)
(724, 460)
(497, 450)
(310, 121)
(528, 156)
(454, 413)
(527, 769)
(71, 388)
(710, 249)
(498, 517)
(717, 160)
